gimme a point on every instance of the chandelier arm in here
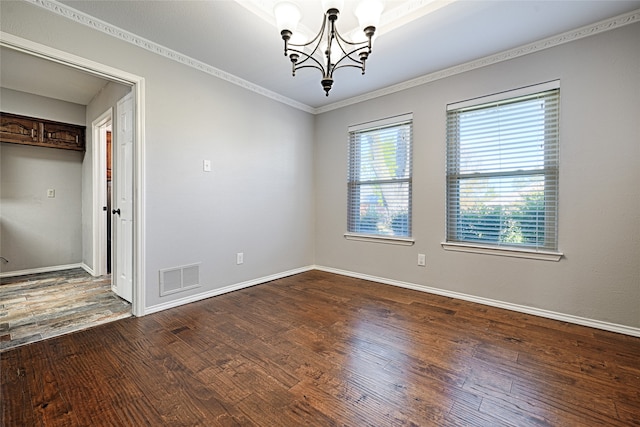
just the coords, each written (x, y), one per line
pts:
(314, 40)
(362, 49)
(333, 38)
(339, 64)
(365, 44)
(360, 67)
(355, 63)
(315, 49)
(307, 57)
(352, 52)
(312, 66)
(317, 38)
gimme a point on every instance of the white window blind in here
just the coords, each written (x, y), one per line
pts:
(379, 177)
(502, 169)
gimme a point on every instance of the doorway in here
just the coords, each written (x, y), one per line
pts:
(113, 142)
(136, 83)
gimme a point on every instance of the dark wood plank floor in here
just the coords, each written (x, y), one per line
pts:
(325, 350)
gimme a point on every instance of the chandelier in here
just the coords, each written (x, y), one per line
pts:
(329, 50)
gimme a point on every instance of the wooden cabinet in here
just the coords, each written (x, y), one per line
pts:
(60, 135)
(19, 130)
(43, 133)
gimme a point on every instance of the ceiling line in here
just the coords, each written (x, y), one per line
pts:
(90, 21)
(124, 35)
(389, 20)
(579, 33)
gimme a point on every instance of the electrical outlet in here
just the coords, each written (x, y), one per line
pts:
(422, 260)
(239, 258)
(51, 193)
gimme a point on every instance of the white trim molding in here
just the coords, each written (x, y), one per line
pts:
(88, 269)
(99, 162)
(138, 88)
(99, 25)
(45, 270)
(139, 200)
(226, 289)
(391, 240)
(502, 251)
(124, 35)
(563, 317)
(569, 36)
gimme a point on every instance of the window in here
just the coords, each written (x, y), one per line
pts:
(379, 178)
(502, 169)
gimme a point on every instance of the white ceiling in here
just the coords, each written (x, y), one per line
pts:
(416, 37)
(27, 73)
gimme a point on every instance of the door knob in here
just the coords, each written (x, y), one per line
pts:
(116, 211)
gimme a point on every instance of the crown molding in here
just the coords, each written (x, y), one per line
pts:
(569, 36)
(104, 27)
(408, 11)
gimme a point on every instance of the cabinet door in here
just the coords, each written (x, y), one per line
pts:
(19, 130)
(61, 135)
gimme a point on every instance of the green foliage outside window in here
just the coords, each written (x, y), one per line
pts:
(519, 223)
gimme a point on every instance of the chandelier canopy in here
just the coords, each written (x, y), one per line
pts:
(328, 50)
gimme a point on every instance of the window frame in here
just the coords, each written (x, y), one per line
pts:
(351, 233)
(452, 214)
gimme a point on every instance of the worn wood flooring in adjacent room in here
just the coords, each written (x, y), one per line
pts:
(45, 305)
(320, 349)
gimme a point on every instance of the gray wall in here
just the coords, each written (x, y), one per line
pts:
(259, 197)
(599, 219)
(37, 231)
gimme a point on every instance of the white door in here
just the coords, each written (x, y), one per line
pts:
(122, 206)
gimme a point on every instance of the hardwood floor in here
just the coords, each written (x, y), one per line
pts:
(325, 350)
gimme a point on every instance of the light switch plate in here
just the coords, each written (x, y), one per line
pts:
(206, 165)
(422, 260)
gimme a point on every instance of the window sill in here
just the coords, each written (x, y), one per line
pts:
(502, 251)
(403, 241)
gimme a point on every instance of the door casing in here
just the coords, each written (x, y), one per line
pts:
(99, 130)
(137, 84)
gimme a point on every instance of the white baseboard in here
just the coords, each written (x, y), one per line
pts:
(42, 270)
(569, 318)
(215, 292)
(88, 269)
